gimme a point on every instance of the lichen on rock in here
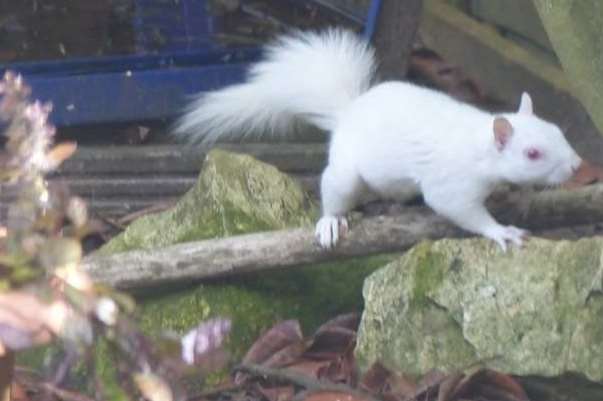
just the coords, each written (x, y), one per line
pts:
(451, 304)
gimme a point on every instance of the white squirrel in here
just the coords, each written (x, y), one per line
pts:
(387, 139)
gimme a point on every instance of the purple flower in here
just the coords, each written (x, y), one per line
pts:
(204, 339)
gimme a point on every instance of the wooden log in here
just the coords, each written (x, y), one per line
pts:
(128, 187)
(115, 197)
(260, 251)
(180, 159)
(296, 247)
(123, 179)
(103, 188)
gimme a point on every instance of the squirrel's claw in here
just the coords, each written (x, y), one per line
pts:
(503, 234)
(329, 229)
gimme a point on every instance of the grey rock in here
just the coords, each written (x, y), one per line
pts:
(451, 304)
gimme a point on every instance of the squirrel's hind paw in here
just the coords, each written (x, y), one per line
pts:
(329, 229)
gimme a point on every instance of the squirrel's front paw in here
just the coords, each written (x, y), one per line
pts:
(503, 234)
(329, 229)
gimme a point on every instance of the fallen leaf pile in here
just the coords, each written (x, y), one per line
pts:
(282, 365)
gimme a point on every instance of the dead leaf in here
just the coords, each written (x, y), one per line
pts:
(278, 337)
(429, 384)
(281, 336)
(282, 393)
(399, 387)
(310, 368)
(335, 337)
(153, 387)
(26, 321)
(61, 152)
(286, 355)
(489, 392)
(333, 396)
(348, 320)
(447, 389)
(426, 65)
(375, 378)
(343, 368)
(506, 384)
(487, 384)
(587, 174)
(467, 384)
(330, 342)
(386, 384)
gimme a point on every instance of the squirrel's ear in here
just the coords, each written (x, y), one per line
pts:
(502, 132)
(525, 105)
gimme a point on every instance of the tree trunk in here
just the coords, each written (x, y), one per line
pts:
(397, 25)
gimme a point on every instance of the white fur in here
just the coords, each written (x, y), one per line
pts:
(390, 139)
(309, 76)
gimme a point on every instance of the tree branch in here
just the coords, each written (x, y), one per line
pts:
(290, 248)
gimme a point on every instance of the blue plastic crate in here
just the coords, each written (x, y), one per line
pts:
(173, 25)
(157, 82)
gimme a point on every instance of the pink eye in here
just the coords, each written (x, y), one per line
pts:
(533, 154)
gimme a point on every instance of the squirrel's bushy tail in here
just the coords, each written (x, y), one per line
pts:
(307, 76)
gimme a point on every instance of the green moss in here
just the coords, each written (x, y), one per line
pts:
(429, 272)
(107, 373)
(311, 295)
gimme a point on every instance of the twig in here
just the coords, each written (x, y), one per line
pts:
(214, 392)
(158, 207)
(112, 222)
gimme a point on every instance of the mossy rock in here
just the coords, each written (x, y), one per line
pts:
(234, 194)
(451, 304)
